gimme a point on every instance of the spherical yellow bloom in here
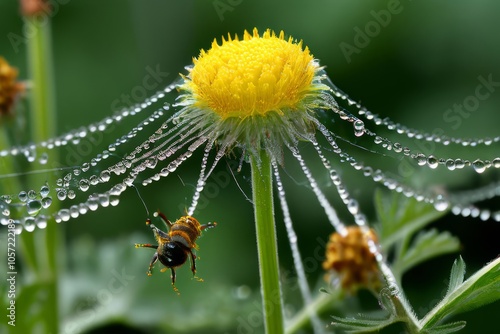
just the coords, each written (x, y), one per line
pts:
(9, 87)
(260, 92)
(252, 76)
(350, 259)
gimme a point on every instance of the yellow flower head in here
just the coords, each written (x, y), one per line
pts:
(350, 259)
(252, 76)
(9, 87)
(258, 92)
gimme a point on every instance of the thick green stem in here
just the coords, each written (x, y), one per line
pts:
(42, 119)
(266, 243)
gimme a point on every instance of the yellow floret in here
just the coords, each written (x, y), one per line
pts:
(252, 76)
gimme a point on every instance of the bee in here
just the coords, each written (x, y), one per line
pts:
(175, 245)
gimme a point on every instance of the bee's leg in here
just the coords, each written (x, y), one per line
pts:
(152, 263)
(153, 260)
(146, 245)
(167, 222)
(172, 276)
(208, 225)
(193, 266)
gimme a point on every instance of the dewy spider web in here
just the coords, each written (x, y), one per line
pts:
(178, 137)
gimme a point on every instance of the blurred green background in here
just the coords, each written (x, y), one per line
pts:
(427, 58)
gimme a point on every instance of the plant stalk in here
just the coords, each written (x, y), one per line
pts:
(42, 119)
(266, 243)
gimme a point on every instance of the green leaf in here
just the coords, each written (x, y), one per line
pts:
(480, 289)
(401, 216)
(362, 324)
(447, 328)
(457, 275)
(427, 244)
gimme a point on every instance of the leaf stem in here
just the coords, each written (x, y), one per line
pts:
(266, 243)
(321, 302)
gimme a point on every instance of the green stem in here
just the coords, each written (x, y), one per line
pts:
(266, 243)
(42, 119)
(320, 303)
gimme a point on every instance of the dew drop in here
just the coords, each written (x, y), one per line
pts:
(92, 203)
(83, 185)
(71, 194)
(104, 200)
(440, 203)
(359, 125)
(114, 200)
(359, 128)
(479, 166)
(94, 180)
(85, 167)
(6, 212)
(432, 162)
(46, 202)
(465, 212)
(33, 206)
(23, 196)
(29, 224)
(496, 216)
(61, 194)
(485, 215)
(496, 162)
(31, 194)
(421, 159)
(73, 211)
(353, 206)
(459, 163)
(18, 227)
(44, 191)
(43, 158)
(151, 163)
(83, 208)
(6, 198)
(41, 222)
(450, 164)
(64, 214)
(104, 176)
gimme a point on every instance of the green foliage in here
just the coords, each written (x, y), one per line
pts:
(361, 324)
(427, 245)
(400, 219)
(480, 289)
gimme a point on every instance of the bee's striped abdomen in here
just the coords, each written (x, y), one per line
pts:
(186, 230)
